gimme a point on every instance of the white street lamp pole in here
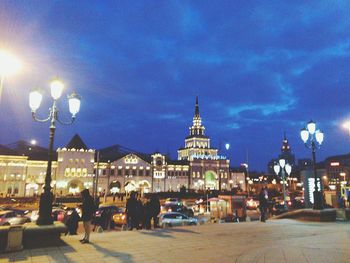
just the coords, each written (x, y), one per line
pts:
(313, 139)
(35, 97)
(283, 167)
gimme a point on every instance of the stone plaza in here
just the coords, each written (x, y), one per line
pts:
(275, 241)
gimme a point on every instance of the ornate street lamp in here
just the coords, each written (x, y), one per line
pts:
(283, 167)
(9, 65)
(313, 139)
(35, 97)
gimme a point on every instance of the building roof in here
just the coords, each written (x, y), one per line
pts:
(7, 151)
(116, 152)
(178, 162)
(34, 152)
(77, 143)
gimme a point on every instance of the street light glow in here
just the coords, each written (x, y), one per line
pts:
(9, 64)
(57, 87)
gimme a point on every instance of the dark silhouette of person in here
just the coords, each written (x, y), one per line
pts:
(139, 213)
(155, 210)
(88, 210)
(263, 203)
(131, 211)
(72, 222)
(147, 215)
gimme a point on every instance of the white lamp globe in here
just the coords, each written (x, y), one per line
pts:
(277, 168)
(311, 126)
(35, 99)
(288, 169)
(319, 136)
(304, 134)
(57, 87)
(282, 162)
(74, 103)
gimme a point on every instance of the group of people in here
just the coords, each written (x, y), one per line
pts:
(140, 212)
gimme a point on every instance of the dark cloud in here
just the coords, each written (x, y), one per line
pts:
(260, 68)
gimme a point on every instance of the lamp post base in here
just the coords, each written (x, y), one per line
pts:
(45, 209)
(318, 200)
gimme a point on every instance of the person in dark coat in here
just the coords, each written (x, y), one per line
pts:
(155, 210)
(72, 222)
(88, 210)
(139, 213)
(131, 211)
(263, 204)
(147, 215)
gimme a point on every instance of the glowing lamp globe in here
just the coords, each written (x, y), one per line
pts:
(35, 99)
(227, 146)
(311, 126)
(319, 136)
(304, 134)
(277, 168)
(282, 162)
(74, 103)
(57, 87)
(288, 169)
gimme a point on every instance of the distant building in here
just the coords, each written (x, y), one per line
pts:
(286, 153)
(338, 170)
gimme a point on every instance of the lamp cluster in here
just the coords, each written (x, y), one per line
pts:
(57, 86)
(310, 134)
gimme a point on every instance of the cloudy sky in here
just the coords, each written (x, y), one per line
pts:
(259, 68)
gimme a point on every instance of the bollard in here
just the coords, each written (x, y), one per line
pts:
(14, 239)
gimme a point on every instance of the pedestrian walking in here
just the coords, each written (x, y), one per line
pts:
(88, 209)
(131, 211)
(263, 204)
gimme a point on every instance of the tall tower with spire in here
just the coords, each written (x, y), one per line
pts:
(286, 151)
(197, 144)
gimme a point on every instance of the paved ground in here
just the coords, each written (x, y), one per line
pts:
(275, 241)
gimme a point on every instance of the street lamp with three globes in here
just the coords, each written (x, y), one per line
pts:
(35, 98)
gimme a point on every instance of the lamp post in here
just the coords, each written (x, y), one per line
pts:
(35, 97)
(9, 65)
(313, 139)
(284, 168)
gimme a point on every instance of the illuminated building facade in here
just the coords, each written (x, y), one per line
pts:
(75, 166)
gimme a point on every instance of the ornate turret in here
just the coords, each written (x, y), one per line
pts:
(197, 128)
(197, 145)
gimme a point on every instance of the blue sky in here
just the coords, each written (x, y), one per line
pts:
(259, 68)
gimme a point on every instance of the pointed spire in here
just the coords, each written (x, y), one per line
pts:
(196, 111)
(285, 136)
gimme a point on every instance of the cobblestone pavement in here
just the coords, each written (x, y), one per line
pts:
(275, 241)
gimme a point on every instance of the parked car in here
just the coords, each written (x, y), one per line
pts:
(9, 217)
(173, 201)
(298, 203)
(279, 208)
(252, 204)
(177, 208)
(119, 218)
(176, 219)
(58, 214)
(104, 215)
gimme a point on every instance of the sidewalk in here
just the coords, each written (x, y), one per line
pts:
(275, 241)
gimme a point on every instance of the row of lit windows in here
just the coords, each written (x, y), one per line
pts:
(76, 161)
(75, 172)
(198, 175)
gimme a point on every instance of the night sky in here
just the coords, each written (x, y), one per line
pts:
(259, 68)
